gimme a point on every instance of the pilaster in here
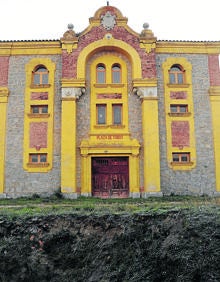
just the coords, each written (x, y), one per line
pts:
(150, 125)
(68, 139)
(4, 93)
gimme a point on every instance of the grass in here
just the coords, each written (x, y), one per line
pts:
(56, 205)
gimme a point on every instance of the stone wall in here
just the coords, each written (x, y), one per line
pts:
(201, 179)
(19, 182)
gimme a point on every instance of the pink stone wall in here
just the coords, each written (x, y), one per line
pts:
(4, 64)
(39, 95)
(180, 133)
(214, 72)
(38, 134)
(178, 95)
(69, 61)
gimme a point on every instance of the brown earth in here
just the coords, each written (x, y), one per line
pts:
(173, 246)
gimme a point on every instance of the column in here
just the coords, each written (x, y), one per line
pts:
(68, 141)
(150, 140)
(3, 110)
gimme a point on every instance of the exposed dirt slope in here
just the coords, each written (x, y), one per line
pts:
(174, 246)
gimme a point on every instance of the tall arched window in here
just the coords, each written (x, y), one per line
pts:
(100, 73)
(116, 73)
(176, 74)
(40, 75)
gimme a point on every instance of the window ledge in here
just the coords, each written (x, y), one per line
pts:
(117, 126)
(113, 85)
(179, 114)
(182, 163)
(176, 85)
(38, 115)
(109, 126)
(37, 165)
(40, 85)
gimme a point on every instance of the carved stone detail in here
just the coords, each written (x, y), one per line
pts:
(72, 93)
(146, 92)
(108, 20)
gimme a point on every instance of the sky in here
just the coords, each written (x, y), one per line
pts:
(194, 20)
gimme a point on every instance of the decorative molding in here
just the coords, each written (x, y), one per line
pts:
(72, 93)
(108, 20)
(146, 92)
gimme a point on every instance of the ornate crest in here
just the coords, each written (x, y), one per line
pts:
(108, 21)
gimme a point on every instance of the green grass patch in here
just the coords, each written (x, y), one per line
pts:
(88, 205)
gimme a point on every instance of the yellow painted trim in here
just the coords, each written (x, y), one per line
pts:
(215, 106)
(68, 146)
(3, 110)
(108, 60)
(30, 48)
(49, 119)
(112, 43)
(151, 145)
(188, 47)
(169, 118)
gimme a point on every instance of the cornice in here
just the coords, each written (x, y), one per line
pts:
(8, 48)
(188, 47)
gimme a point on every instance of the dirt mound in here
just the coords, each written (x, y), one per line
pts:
(175, 246)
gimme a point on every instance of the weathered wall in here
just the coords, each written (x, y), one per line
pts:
(17, 181)
(201, 179)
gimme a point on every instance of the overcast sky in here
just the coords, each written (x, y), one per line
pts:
(168, 19)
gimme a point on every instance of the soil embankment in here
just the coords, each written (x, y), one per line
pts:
(173, 246)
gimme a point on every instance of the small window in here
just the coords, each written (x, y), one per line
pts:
(40, 76)
(100, 73)
(38, 158)
(176, 75)
(116, 73)
(117, 114)
(179, 108)
(101, 114)
(42, 109)
(181, 157)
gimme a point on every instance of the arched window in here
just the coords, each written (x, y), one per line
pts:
(116, 73)
(100, 73)
(40, 75)
(176, 74)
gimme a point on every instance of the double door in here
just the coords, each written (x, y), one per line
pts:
(110, 177)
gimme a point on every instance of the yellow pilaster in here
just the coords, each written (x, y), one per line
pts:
(214, 93)
(151, 145)
(68, 139)
(68, 146)
(3, 111)
(134, 175)
(148, 95)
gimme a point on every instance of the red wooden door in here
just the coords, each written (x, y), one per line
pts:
(110, 177)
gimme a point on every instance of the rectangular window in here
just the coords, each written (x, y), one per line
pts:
(42, 109)
(101, 114)
(181, 157)
(117, 114)
(38, 158)
(178, 108)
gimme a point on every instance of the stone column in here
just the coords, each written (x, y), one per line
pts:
(150, 125)
(68, 141)
(3, 110)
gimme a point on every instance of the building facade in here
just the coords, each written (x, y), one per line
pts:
(109, 112)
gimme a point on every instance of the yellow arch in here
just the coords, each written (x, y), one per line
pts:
(109, 42)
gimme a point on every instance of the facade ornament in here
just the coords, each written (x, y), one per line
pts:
(108, 21)
(147, 39)
(72, 93)
(69, 40)
(145, 92)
